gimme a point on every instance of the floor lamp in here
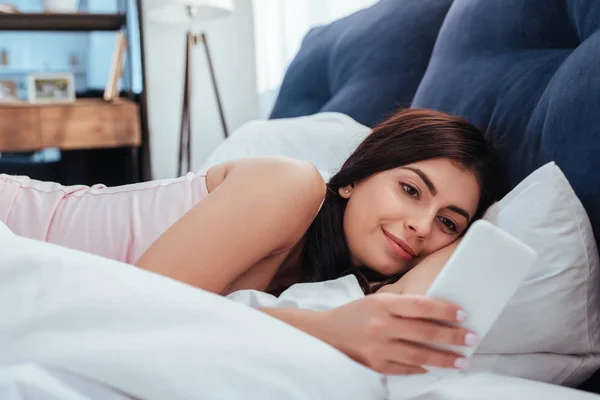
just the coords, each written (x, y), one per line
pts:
(187, 13)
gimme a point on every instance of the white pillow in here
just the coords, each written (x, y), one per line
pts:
(324, 139)
(154, 338)
(550, 330)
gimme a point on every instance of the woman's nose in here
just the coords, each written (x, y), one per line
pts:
(420, 226)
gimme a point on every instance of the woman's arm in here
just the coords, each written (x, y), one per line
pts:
(256, 207)
(420, 277)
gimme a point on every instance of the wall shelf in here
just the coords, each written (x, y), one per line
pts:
(102, 142)
(84, 22)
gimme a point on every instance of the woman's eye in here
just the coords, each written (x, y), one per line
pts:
(448, 224)
(410, 190)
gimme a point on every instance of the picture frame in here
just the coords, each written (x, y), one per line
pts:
(8, 91)
(51, 87)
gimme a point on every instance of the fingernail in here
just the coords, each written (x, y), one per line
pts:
(461, 316)
(471, 339)
(461, 363)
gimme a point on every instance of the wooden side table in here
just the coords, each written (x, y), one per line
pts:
(37, 132)
(84, 124)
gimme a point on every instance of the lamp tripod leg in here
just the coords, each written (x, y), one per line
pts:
(213, 78)
(185, 158)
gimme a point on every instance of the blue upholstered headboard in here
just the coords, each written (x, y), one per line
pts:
(527, 72)
(365, 65)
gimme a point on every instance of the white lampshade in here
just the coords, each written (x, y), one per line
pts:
(190, 11)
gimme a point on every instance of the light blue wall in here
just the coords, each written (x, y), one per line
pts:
(51, 51)
(31, 52)
(102, 45)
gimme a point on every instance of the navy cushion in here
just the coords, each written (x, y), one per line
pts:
(529, 72)
(365, 65)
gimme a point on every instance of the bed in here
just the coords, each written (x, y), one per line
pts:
(525, 72)
(79, 326)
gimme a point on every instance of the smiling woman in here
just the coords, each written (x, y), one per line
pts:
(413, 211)
(411, 188)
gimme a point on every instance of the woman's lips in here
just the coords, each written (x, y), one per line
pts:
(399, 246)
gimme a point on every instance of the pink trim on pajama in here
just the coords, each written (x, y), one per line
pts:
(118, 222)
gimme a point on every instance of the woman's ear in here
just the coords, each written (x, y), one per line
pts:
(346, 191)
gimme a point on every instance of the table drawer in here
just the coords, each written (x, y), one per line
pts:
(112, 124)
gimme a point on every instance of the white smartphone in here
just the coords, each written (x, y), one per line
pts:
(481, 276)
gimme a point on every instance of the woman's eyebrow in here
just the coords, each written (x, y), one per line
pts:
(424, 178)
(460, 211)
(433, 190)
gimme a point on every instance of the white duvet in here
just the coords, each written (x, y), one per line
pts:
(77, 326)
(154, 338)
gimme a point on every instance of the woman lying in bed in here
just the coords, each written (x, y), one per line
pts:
(404, 197)
(409, 191)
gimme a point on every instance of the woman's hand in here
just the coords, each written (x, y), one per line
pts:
(390, 332)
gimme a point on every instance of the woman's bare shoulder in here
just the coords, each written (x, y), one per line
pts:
(267, 171)
(256, 207)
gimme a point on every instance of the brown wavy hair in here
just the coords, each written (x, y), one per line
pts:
(409, 136)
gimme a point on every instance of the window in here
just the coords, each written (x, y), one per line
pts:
(279, 27)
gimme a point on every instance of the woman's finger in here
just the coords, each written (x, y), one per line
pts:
(421, 307)
(430, 332)
(393, 368)
(418, 355)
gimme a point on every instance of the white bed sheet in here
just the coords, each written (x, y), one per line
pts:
(479, 386)
(34, 382)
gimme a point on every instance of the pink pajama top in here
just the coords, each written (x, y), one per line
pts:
(117, 222)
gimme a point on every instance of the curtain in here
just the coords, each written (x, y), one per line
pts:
(279, 26)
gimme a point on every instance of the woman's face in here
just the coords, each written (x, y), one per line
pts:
(396, 217)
